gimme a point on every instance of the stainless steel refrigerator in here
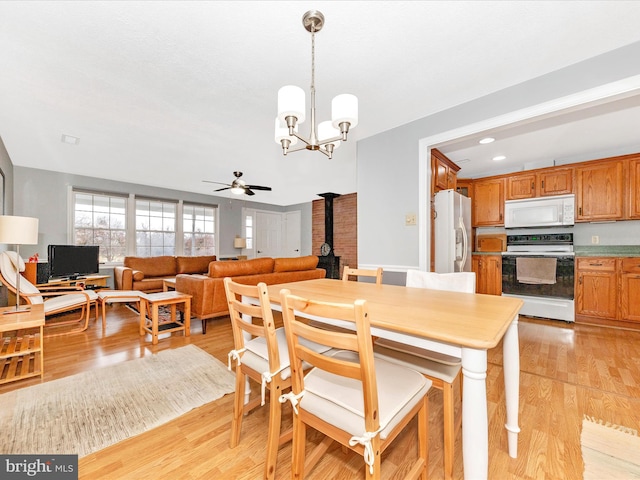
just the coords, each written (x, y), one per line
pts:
(452, 232)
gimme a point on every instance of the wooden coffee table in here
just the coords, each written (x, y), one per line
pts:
(152, 301)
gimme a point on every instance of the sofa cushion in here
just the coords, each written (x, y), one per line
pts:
(137, 275)
(199, 264)
(234, 268)
(295, 264)
(161, 266)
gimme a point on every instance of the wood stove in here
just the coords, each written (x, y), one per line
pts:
(328, 260)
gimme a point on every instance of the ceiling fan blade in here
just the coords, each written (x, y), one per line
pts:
(220, 189)
(258, 187)
(219, 183)
(248, 191)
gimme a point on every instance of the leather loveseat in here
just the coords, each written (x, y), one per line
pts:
(147, 273)
(208, 298)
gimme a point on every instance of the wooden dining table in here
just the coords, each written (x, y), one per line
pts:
(465, 324)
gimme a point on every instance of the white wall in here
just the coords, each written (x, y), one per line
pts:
(388, 163)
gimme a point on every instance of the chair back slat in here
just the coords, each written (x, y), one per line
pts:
(361, 272)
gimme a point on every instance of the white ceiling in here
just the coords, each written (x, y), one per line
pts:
(170, 93)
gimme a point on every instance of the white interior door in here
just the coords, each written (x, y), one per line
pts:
(292, 241)
(268, 234)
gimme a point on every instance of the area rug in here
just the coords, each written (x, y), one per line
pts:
(87, 412)
(609, 451)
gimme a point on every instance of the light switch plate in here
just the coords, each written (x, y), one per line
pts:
(410, 219)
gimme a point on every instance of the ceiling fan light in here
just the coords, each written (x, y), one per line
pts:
(327, 131)
(237, 190)
(291, 103)
(282, 133)
(344, 109)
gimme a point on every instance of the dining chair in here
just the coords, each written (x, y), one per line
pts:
(260, 354)
(360, 272)
(445, 371)
(55, 300)
(351, 397)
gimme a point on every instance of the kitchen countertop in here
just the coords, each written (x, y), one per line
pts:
(607, 250)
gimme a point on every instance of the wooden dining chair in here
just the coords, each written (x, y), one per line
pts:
(443, 370)
(260, 354)
(360, 272)
(351, 397)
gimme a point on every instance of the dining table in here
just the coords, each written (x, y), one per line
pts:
(463, 324)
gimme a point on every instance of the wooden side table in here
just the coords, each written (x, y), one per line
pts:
(21, 334)
(152, 301)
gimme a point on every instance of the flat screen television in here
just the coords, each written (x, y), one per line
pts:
(73, 261)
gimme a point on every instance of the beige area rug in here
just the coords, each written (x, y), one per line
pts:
(89, 411)
(609, 451)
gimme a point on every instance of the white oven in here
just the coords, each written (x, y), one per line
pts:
(539, 269)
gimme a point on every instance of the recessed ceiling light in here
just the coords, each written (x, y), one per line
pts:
(71, 140)
(486, 140)
(498, 158)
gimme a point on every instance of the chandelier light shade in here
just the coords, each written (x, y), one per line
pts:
(18, 231)
(327, 136)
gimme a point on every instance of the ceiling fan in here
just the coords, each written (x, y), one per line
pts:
(239, 186)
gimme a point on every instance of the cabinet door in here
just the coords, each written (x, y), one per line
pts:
(555, 181)
(599, 191)
(596, 287)
(488, 202)
(521, 186)
(630, 290)
(444, 171)
(488, 270)
(634, 188)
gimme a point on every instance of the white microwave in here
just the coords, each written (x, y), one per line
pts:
(556, 211)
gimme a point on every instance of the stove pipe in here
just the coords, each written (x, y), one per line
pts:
(328, 217)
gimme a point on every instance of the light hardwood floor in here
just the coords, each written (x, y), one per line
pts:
(567, 371)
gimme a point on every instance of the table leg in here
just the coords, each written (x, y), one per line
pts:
(511, 361)
(154, 323)
(187, 318)
(475, 425)
(104, 314)
(143, 315)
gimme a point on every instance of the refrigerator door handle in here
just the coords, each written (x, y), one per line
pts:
(465, 242)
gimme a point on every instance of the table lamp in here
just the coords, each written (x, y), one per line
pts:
(18, 231)
(239, 242)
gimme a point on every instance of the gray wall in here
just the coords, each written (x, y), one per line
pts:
(43, 194)
(387, 164)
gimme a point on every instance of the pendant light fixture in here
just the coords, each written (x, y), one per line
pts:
(326, 136)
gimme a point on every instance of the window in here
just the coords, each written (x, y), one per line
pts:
(101, 219)
(155, 228)
(248, 231)
(198, 226)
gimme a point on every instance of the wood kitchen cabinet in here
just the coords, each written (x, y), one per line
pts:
(630, 289)
(488, 270)
(540, 183)
(600, 191)
(634, 188)
(444, 172)
(488, 202)
(596, 287)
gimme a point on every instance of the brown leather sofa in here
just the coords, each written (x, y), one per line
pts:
(207, 291)
(147, 273)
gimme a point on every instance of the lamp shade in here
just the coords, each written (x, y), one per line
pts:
(326, 131)
(282, 133)
(239, 242)
(18, 230)
(291, 103)
(344, 108)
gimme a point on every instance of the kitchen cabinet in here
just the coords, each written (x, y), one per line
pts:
(540, 183)
(488, 270)
(488, 202)
(600, 191)
(464, 186)
(630, 289)
(444, 172)
(596, 287)
(634, 188)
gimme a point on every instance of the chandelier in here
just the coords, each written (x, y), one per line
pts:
(326, 136)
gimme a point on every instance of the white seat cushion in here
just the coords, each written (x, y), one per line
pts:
(339, 400)
(68, 300)
(422, 363)
(257, 355)
(125, 296)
